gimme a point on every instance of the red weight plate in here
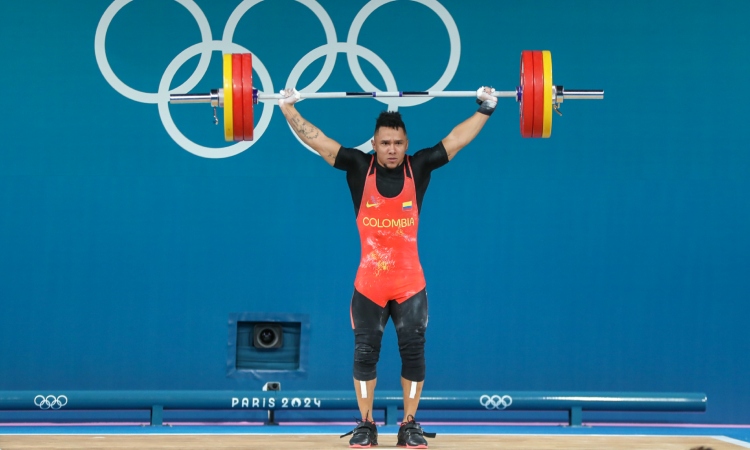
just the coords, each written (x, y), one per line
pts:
(538, 94)
(237, 96)
(247, 95)
(527, 94)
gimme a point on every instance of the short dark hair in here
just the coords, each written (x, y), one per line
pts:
(390, 119)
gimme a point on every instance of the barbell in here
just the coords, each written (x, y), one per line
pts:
(536, 95)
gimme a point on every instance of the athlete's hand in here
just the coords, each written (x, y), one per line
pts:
(289, 96)
(486, 100)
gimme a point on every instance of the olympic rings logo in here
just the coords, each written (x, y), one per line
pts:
(330, 49)
(495, 401)
(50, 401)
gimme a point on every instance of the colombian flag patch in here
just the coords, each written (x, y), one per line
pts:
(406, 206)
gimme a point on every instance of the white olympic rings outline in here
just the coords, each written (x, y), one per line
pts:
(495, 401)
(330, 49)
(50, 401)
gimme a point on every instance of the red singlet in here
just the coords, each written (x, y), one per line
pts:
(389, 268)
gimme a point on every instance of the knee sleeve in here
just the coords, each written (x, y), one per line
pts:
(411, 345)
(366, 353)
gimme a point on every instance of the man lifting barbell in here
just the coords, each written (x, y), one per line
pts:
(387, 189)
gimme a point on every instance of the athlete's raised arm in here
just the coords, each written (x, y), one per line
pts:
(309, 133)
(467, 130)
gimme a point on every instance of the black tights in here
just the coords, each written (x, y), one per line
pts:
(410, 321)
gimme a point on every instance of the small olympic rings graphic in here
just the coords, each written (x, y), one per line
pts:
(50, 401)
(330, 49)
(495, 401)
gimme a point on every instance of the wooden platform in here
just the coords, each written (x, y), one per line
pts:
(300, 442)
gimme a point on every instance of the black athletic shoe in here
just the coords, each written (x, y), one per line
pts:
(365, 435)
(410, 435)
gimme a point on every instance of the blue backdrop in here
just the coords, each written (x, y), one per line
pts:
(613, 256)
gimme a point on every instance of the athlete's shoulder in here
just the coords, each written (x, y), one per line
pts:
(351, 159)
(430, 158)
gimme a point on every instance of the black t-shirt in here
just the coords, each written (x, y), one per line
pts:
(390, 182)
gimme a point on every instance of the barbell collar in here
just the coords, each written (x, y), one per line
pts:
(215, 98)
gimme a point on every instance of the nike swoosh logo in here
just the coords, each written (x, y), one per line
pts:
(368, 204)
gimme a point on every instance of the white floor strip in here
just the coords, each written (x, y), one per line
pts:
(733, 441)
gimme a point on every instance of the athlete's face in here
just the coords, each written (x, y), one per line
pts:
(390, 146)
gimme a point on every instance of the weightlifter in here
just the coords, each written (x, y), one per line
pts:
(387, 189)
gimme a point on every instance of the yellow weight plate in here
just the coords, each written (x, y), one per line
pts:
(228, 116)
(547, 124)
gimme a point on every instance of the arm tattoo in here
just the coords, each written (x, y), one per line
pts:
(304, 129)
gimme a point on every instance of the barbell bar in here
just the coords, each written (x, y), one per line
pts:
(537, 96)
